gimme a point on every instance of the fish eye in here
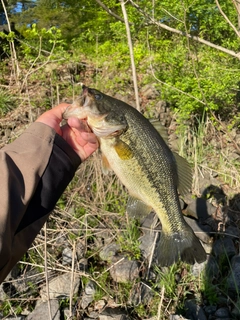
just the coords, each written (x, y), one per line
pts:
(98, 96)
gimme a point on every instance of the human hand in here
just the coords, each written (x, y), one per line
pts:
(76, 132)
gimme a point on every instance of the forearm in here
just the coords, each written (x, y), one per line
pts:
(34, 169)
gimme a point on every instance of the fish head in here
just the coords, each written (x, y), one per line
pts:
(100, 113)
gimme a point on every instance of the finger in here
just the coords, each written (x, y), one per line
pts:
(80, 125)
(59, 110)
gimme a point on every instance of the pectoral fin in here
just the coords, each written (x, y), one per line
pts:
(105, 165)
(137, 208)
(123, 150)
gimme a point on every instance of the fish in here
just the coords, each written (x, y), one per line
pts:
(134, 148)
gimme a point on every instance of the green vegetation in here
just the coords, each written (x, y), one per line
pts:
(7, 102)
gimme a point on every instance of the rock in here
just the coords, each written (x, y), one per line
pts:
(233, 280)
(174, 317)
(41, 312)
(224, 247)
(200, 208)
(236, 312)
(147, 242)
(212, 268)
(196, 227)
(149, 221)
(80, 248)
(109, 251)
(83, 264)
(198, 268)
(90, 288)
(88, 294)
(67, 256)
(14, 318)
(150, 92)
(233, 231)
(210, 310)
(124, 270)
(141, 294)
(114, 314)
(99, 305)
(194, 312)
(222, 313)
(61, 286)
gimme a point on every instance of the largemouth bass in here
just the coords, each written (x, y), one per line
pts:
(134, 149)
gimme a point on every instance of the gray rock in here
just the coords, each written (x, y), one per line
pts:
(90, 288)
(80, 248)
(150, 92)
(141, 294)
(212, 268)
(93, 315)
(109, 251)
(147, 243)
(41, 312)
(200, 208)
(222, 313)
(224, 247)
(194, 311)
(198, 268)
(233, 231)
(124, 270)
(149, 221)
(83, 264)
(114, 314)
(88, 294)
(210, 310)
(15, 318)
(200, 233)
(67, 256)
(233, 280)
(236, 312)
(61, 286)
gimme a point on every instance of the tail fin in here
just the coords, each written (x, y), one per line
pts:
(183, 246)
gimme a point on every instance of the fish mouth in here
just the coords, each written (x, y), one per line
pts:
(89, 107)
(102, 128)
(97, 123)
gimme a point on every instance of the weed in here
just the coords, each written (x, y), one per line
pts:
(7, 102)
(129, 239)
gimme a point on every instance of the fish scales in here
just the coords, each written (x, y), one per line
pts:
(147, 150)
(139, 156)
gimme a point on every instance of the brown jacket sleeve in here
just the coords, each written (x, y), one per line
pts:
(35, 169)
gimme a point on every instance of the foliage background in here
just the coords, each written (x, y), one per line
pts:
(194, 78)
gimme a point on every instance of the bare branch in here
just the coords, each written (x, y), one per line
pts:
(131, 54)
(237, 7)
(12, 47)
(195, 38)
(226, 18)
(109, 11)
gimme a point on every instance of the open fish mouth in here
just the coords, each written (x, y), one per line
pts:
(99, 124)
(102, 128)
